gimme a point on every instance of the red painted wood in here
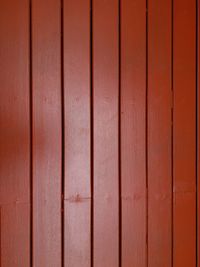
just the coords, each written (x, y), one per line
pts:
(159, 134)
(106, 176)
(184, 133)
(77, 133)
(154, 229)
(133, 121)
(46, 133)
(14, 134)
(15, 234)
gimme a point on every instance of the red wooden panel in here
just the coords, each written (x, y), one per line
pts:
(184, 133)
(133, 124)
(159, 134)
(46, 133)
(15, 237)
(77, 132)
(105, 96)
(14, 134)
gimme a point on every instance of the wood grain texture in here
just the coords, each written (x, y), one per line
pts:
(46, 133)
(98, 128)
(14, 133)
(77, 133)
(15, 234)
(159, 133)
(106, 176)
(133, 124)
(184, 133)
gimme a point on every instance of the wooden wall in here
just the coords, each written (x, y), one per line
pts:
(99, 122)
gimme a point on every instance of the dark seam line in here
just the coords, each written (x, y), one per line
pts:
(172, 133)
(146, 138)
(197, 130)
(62, 133)
(31, 129)
(119, 133)
(91, 137)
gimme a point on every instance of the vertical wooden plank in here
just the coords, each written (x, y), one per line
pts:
(184, 133)
(105, 96)
(159, 133)
(14, 134)
(77, 132)
(133, 124)
(46, 133)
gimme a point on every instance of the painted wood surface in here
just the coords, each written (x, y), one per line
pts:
(99, 133)
(184, 86)
(106, 135)
(14, 134)
(77, 146)
(133, 133)
(159, 133)
(46, 142)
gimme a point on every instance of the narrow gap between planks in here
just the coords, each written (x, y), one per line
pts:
(119, 133)
(62, 132)
(172, 133)
(91, 138)
(197, 133)
(31, 130)
(146, 137)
